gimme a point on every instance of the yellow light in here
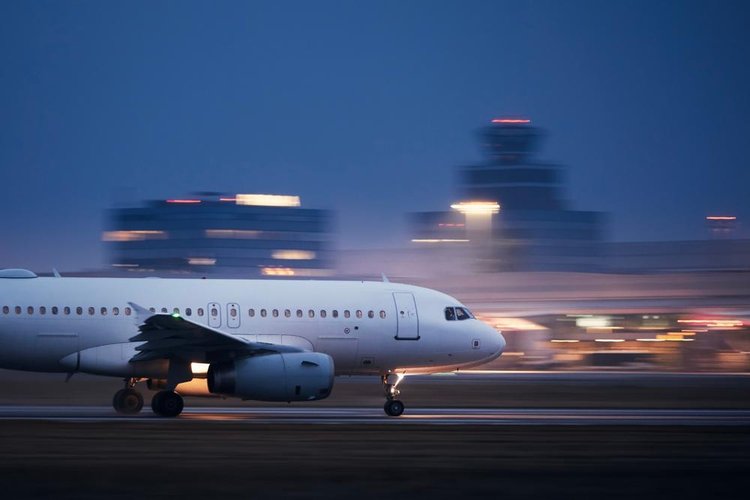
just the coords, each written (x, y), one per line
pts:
(650, 340)
(201, 261)
(268, 200)
(438, 240)
(476, 207)
(199, 368)
(293, 255)
(133, 235)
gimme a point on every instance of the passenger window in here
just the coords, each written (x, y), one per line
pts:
(200, 312)
(55, 310)
(311, 313)
(450, 314)
(370, 314)
(79, 310)
(346, 313)
(66, 310)
(176, 310)
(91, 311)
(152, 309)
(104, 311)
(359, 313)
(287, 313)
(251, 313)
(127, 311)
(299, 313)
(188, 311)
(263, 313)
(18, 309)
(164, 309)
(323, 313)
(335, 313)
(6, 309)
(30, 310)
(275, 313)
(233, 312)
(116, 311)
(42, 310)
(382, 314)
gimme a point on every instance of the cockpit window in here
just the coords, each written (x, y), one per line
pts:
(457, 313)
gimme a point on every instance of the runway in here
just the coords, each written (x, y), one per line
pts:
(375, 416)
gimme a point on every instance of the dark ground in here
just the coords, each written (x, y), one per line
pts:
(215, 459)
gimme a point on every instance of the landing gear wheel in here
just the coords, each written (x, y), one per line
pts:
(167, 404)
(394, 408)
(127, 401)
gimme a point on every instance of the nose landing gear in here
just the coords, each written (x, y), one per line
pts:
(393, 407)
(128, 401)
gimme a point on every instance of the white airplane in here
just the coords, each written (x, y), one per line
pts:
(253, 339)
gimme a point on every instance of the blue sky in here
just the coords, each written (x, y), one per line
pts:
(365, 108)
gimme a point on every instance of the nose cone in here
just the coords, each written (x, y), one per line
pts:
(496, 340)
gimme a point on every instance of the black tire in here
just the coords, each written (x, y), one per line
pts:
(167, 404)
(127, 401)
(394, 408)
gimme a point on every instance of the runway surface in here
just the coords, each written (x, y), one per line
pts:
(375, 416)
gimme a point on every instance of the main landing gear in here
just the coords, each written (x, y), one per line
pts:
(393, 407)
(128, 401)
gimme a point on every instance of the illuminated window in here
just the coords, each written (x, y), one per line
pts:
(275, 313)
(346, 313)
(6, 309)
(382, 314)
(370, 314)
(188, 311)
(91, 311)
(335, 313)
(30, 310)
(251, 313)
(200, 311)
(263, 313)
(311, 313)
(359, 313)
(66, 310)
(42, 310)
(18, 309)
(104, 311)
(323, 313)
(287, 313)
(116, 311)
(127, 311)
(299, 313)
(79, 310)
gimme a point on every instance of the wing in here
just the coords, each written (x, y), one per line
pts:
(171, 336)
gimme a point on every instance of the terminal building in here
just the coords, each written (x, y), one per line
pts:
(243, 235)
(535, 229)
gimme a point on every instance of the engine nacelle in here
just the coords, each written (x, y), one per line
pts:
(297, 376)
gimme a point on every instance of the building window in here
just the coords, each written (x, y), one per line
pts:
(382, 314)
(359, 313)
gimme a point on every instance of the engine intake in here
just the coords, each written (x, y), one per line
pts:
(298, 376)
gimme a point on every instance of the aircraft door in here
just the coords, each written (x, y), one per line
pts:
(214, 315)
(233, 315)
(406, 313)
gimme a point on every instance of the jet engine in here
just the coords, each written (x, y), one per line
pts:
(297, 376)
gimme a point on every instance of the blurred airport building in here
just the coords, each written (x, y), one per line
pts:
(242, 235)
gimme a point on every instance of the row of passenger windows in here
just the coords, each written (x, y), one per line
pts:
(233, 312)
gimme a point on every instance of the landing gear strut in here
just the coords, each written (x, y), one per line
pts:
(393, 407)
(128, 401)
(167, 404)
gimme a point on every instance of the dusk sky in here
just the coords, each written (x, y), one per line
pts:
(366, 108)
